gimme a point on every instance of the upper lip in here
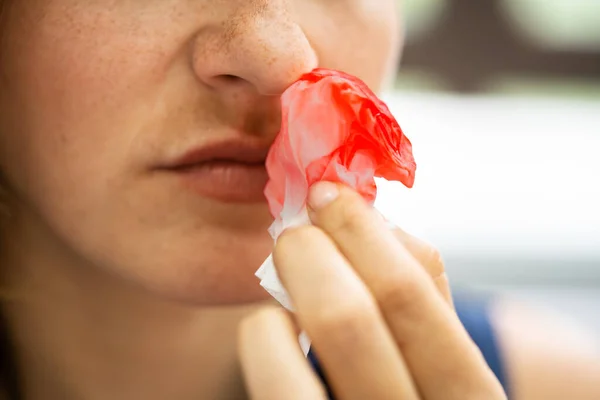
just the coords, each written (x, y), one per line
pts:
(231, 150)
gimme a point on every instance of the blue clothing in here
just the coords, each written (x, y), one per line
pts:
(474, 314)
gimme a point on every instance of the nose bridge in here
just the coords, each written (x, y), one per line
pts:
(259, 43)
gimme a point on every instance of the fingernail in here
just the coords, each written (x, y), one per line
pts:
(321, 194)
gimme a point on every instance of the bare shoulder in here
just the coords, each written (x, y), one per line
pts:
(547, 356)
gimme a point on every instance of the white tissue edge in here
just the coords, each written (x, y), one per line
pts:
(269, 279)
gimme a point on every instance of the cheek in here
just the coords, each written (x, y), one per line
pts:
(70, 101)
(361, 37)
(81, 89)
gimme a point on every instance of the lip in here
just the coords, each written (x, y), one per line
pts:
(231, 171)
(233, 150)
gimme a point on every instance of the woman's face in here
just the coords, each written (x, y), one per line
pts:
(97, 96)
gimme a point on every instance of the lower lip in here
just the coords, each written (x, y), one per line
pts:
(230, 182)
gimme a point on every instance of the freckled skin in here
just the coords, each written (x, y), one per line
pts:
(97, 93)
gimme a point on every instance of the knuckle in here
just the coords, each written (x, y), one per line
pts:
(401, 293)
(349, 215)
(427, 255)
(434, 262)
(344, 325)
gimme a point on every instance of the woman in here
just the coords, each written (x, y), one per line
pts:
(133, 135)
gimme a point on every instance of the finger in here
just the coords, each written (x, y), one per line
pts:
(442, 358)
(430, 259)
(273, 364)
(358, 354)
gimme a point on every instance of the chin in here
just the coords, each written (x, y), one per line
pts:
(218, 273)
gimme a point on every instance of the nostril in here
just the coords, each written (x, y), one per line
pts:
(228, 77)
(225, 80)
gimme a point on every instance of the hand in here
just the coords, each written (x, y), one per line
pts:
(376, 305)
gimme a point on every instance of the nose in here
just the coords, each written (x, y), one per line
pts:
(258, 44)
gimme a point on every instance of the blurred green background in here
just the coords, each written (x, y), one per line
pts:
(555, 45)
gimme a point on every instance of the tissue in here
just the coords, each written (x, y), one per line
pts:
(333, 128)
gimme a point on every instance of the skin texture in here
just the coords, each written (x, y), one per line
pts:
(95, 96)
(121, 284)
(375, 315)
